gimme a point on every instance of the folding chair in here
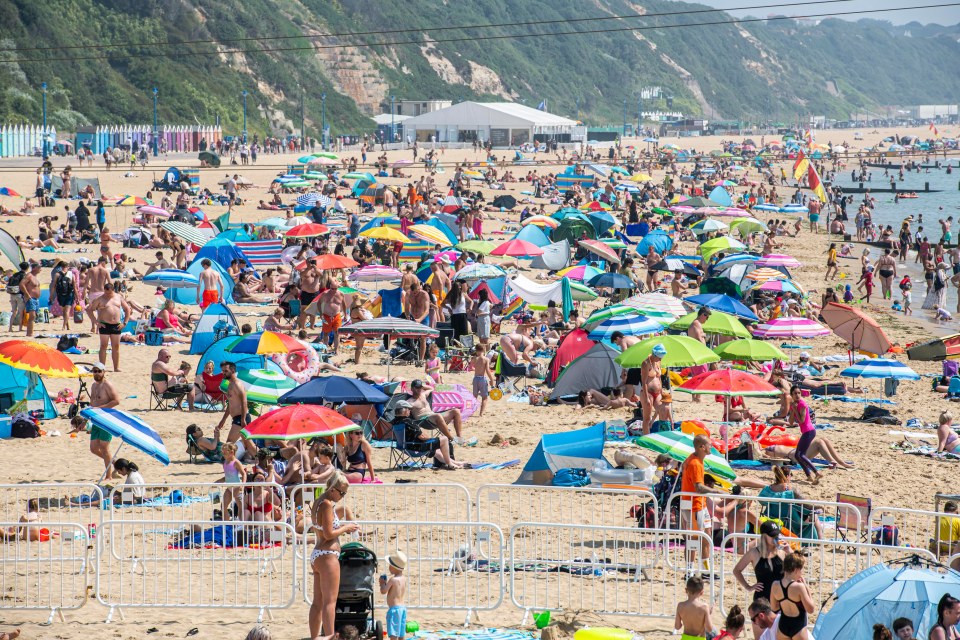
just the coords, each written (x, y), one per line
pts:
(511, 374)
(166, 400)
(848, 520)
(216, 398)
(402, 453)
(459, 353)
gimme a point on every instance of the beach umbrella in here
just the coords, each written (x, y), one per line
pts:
(309, 230)
(356, 175)
(749, 350)
(602, 221)
(778, 260)
(946, 348)
(738, 258)
(333, 261)
(859, 330)
(262, 385)
(724, 303)
(7, 191)
(573, 229)
(777, 285)
(613, 311)
(682, 351)
(186, 232)
(334, 389)
(709, 226)
(272, 223)
(679, 446)
(700, 202)
(764, 274)
(375, 273)
(723, 243)
(131, 201)
(631, 324)
(880, 368)
(130, 429)
(299, 421)
(719, 324)
(172, 279)
(595, 205)
(517, 249)
(641, 177)
(263, 343)
(305, 159)
(886, 592)
(581, 272)
(612, 281)
(659, 303)
(311, 199)
(326, 154)
(392, 327)
(479, 271)
(541, 221)
(153, 210)
(429, 234)
(482, 247)
(674, 264)
(745, 226)
(658, 239)
(37, 358)
(728, 383)
(601, 249)
(296, 221)
(314, 175)
(791, 328)
(322, 162)
(566, 212)
(582, 293)
(385, 233)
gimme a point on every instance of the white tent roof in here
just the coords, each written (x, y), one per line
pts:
(386, 118)
(489, 114)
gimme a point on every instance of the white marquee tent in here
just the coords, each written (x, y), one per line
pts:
(502, 123)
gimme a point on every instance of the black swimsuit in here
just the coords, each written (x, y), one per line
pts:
(767, 571)
(792, 625)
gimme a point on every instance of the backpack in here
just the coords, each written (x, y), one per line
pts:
(571, 478)
(66, 342)
(64, 286)
(24, 429)
(13, 284)
(888, 535)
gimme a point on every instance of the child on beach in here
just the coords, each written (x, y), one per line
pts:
(734, 625)
(867, 279)
(693, 614)
(395, 587)
(233, 473)
(482, 376)
(432, 366)
(847, 295)
(906, 287)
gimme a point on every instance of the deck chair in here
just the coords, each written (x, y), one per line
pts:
(459, 353)
(216, 398)
(202, 455)
(848, 523)
(166, 400)
(365, 415)
(402, 453)
(510, 374)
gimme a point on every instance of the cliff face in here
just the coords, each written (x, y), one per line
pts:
(101, 58)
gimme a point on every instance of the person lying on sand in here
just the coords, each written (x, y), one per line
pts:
(821, 447)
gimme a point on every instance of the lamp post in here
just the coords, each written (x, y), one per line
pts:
(43, 87)
(155, 133)
(303, 129)
(639, 114)
(323, 120)
(577, 117)
(624, 118)
(393, 128)
(244, 94)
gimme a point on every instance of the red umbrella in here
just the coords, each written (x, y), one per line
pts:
(299, 421)
(334, 261)
(728, 382)
(860, 330)
(517, 249)
(601, 249)
(309, 230)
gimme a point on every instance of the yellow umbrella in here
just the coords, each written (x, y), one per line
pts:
(430, 234)
(641, 177)
(474, 174)
(385, 233)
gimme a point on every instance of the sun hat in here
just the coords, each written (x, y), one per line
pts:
(397, 560)
(659, 350)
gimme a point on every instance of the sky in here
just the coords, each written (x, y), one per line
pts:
(940, 15)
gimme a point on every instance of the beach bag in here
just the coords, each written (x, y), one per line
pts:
(153, 337)
(24, 429)
(66, 342)
(888, 535)
(571, 478)
(870, 412)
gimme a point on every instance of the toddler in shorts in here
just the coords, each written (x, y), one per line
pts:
(395, 587)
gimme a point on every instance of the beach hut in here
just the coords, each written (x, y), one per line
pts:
(595, 369)
(17, 384)
(216, 317)
(577, 449)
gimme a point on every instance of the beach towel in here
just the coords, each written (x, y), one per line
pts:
(856, 400)
(220, 536)
(262, 252)
(421, 464)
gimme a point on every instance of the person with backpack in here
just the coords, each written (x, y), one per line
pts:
(17, 306)
(65, 290)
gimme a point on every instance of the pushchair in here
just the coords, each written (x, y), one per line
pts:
(358, 567)
(403, 351)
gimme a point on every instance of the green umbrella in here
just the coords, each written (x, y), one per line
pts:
(682, 351)
(581, 292)
(745, 226)
(296, 184)
(314, 175)
(355, 175)
(263, 385)
(723, 243)
(483, 247)
(661, 212)
(719, 323)
(608, 312)
(679, 446)
(749, 350)
(326, 154)
(348, 290)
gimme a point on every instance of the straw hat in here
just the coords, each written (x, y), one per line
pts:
(397, 560)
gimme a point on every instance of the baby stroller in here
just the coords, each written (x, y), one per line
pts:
(403, 351)
(358, 566)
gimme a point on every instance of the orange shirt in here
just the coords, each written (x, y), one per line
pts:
(692, 476)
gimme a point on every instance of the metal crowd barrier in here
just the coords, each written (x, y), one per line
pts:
(43, 566)
(444, 571)
(623, 571)
(197, 568)
(916, 528)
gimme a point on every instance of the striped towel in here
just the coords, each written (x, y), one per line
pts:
(262, 252)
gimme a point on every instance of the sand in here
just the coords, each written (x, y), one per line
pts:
(887, 477)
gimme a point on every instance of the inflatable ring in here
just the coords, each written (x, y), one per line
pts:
(310, 366)
(496, 394)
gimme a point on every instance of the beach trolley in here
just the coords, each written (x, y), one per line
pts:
(358, 568)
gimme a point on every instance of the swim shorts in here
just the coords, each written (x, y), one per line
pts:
(481, 386)
(31, 305)
(96, 433)
(397, 622)
(210, 296)
(110, 328)
(331, 323)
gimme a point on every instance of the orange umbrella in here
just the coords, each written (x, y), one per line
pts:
(37, 358)
(299, 421)
(860, 330)
(334, 261)
(766, 273)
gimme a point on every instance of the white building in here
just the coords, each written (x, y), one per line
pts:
(502, 123)
(419, 107)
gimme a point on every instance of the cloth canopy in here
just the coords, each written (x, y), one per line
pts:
(541, 294)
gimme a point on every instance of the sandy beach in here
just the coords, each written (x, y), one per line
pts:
(886, 476)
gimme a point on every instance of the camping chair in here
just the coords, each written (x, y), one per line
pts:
(166, 400)
(459, 353)
(195, 452)
(847, 520)
(365, 415)
(511, 374)
(403, 454)
(216, 398)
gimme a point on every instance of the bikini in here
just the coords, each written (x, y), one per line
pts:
(949, 445)
(327, 552)
(357, 462)
(790, 626)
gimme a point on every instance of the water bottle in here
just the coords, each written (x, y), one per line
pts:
(91, 531)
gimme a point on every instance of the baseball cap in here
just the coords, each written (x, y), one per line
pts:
(770, 528)
(417, 384)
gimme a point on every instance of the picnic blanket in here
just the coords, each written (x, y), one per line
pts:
(759, 465)
(219, 536)
(419, 464)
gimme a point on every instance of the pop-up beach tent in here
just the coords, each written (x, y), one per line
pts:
(15, 384)
(182, 295)
(555, 256)
(217, 352)
(595, 369)
(222, 251)
(568, 450)
(571, 346)
(214, 317)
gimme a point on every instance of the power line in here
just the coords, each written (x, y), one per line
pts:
(475, 38)
(351, 34)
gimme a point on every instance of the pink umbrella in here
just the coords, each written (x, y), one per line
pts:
(791, 328)
(517, 249)
(682, 209)
(153, 210)
(730, 212)
(778, 260)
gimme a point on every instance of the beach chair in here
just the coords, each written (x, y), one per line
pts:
(848, 520)
(199, 455)
(511, 375)
(166, 400)
(403, 454)
(459, 353)
(216, 398)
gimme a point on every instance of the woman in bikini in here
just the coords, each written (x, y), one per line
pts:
(355, 458)
(652, 387)
(325, 558)
(947, 439)
(791, 599)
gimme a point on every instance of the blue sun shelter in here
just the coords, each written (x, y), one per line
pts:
(222, 251)
(721, 195)
(567, 450)
(189, 296)
(16, 384)
(216, 318)
(217, 352)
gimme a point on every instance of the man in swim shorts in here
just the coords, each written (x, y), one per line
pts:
(109, 311)
(30, 289)
(331, 304)
(103, 395)
(210, 289)
(97, 277)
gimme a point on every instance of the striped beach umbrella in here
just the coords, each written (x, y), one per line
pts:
(429, 234)
(375, 273)
(749, 350)
(657, 305)
(393, 327)
(765, 273)
(131, 201)
(263, 343)
(601, 249)
(7, 191)
(791, 328)
(296, 221)
(187, 232)
(479, 271)
(580, 272)
(311, 199)
(679, 446)
(581, 292)
(880, 368)
(709, 226)
(629, 325)
(541, 221)
(609, 312)
(778, 285)
(262, 385)
(130, 429)
(739, 258)
(172, 279)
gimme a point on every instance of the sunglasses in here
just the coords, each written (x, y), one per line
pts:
(754, 617)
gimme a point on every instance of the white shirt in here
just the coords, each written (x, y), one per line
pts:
(135, 481)
(484, 308)
(771, 633)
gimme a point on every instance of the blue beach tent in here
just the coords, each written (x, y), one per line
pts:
(205, 331)
(15, 384)
(570, 449)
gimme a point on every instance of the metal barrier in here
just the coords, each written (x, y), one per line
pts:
(610, 570)
(60, 503)
(43, 566)
(916, 528)
(159, 570)
(443, 569)
(829, 563)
